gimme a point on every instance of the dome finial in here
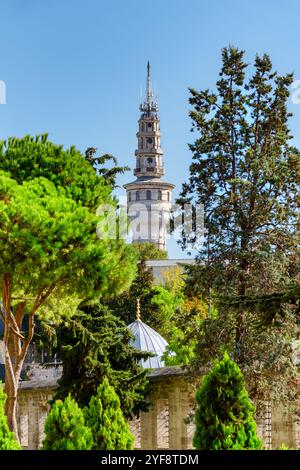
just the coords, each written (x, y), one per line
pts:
(138, 309)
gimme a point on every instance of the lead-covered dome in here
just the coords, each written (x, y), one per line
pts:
(148, 340)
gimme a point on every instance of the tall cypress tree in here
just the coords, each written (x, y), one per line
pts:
(246, 174)
(106, 421)
(224, 417)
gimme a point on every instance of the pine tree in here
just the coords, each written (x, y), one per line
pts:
(7, 439)
(224, 416)
(50, 254)
(246, 174)
(105, 419)
(65, 428)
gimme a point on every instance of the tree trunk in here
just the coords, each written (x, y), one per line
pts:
(16, 344)
(15, 349)
(241, 325)
(11, 352)
(11, 407)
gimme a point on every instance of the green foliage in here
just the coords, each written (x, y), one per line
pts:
(159, 304)
(224, 416)
(7, 439)
(49, 247)
(186, 325)
(94, 344)
(105, 419)
(245, 172)
(48, 201)
(269, 306)
(29, 157)
(167, 304)
(65, 428)
(149, 251)
(97, 162)
(42, 228)
(269, 368)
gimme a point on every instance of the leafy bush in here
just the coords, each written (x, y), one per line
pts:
(65, 428)
(106, 421)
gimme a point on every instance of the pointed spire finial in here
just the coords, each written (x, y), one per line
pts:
(148, 83)
(149, 104)
(138, 309)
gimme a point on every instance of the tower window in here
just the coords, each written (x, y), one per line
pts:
(148, 195)
(159, 195)
(150, 160)
(149, 140)
(168, 195)
(149, 125)
(129, 196)
(137, 196)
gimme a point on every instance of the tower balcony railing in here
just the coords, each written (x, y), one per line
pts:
(159, 170)
(149, 151)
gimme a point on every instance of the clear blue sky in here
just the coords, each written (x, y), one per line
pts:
(74, 68)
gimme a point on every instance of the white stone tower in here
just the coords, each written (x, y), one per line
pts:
(149, 197)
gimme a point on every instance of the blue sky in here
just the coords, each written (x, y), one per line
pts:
(74, 68)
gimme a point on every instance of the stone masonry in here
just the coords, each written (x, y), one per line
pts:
(165, 426)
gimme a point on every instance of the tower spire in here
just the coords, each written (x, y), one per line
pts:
(148, 84)
(149, 104)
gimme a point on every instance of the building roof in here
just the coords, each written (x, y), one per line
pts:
(148, 340)
(169, 262)
(148, 182)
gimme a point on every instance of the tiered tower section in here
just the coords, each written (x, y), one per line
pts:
(149, 197)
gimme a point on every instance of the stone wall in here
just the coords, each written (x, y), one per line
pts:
(164, 426)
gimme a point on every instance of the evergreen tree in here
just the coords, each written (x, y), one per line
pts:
(106, 421)
(7, 439)
(224, 416)
(246, 174)
(270, 306)
(50, 254)
(94, 344)
(65, 428)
